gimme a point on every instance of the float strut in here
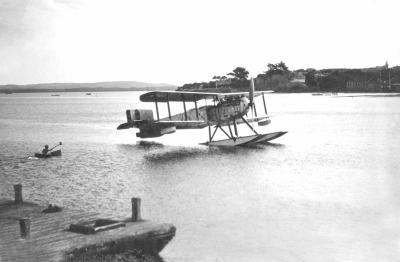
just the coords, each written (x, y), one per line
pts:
(209, 132)
(224, 132)
(230, 131)
(215, 131)
(235, 127)
(247, 123)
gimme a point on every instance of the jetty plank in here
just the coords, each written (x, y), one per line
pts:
(50, 239)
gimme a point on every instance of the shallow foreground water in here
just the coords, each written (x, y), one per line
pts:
(329, 190)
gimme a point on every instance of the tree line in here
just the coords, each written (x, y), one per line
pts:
(238, 79)
(280, 78)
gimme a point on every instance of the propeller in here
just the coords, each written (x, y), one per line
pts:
(251, 98)
(251, 91)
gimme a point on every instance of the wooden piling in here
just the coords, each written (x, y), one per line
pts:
(50, 239)
(18, 194)
(25, 227)
(136, 209)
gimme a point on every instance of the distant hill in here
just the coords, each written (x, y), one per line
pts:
(83, 87)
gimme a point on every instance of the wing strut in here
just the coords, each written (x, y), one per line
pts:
(155, 101)
(184, 107)
(265, 106)
(197, 110)
(169, 109)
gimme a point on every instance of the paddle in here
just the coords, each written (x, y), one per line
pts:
(59, 144)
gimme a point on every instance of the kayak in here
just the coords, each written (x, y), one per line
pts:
(53, 153)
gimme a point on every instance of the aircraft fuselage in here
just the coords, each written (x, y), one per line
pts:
(228, 110)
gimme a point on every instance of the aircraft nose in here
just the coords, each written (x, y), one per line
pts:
(245, 101)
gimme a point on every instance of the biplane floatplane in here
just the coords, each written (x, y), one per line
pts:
(228, 109)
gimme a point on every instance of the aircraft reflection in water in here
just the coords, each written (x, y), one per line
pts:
(229, 109)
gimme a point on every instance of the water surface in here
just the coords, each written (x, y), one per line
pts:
(326, 191)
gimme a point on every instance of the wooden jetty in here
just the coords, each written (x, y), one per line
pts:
(29, 234)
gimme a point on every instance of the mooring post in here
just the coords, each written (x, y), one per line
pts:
(136, 209)
(25, 227)
(18, 194)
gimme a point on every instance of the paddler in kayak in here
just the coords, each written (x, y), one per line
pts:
(45, 150)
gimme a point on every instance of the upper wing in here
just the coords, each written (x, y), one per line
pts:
(178, 96)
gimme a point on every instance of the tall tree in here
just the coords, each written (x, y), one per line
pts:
(310, 79)
(239, 73)
(276, 69)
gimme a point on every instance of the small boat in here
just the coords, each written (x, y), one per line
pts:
(53, 153)
(317, 94)
(55, 95)
(88, 94)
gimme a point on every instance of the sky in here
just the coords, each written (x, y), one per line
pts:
(183, 41)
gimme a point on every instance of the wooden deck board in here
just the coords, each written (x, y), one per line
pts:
(49, 239)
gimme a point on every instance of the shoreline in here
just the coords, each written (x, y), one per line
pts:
(9, 92)
(77, 90)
